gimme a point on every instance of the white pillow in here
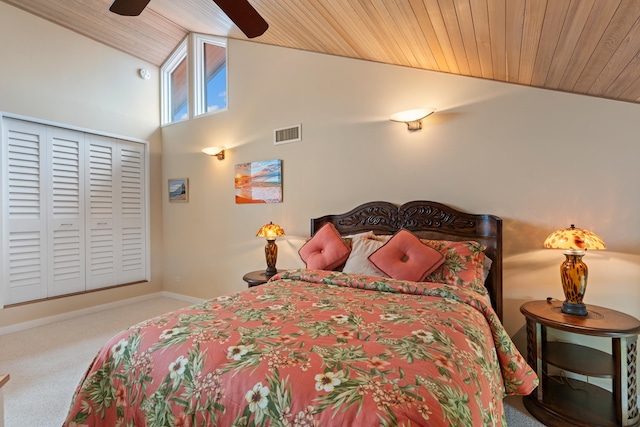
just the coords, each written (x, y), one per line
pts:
(358, 262)
(359, 235)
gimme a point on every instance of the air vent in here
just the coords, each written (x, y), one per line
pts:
(287, 135)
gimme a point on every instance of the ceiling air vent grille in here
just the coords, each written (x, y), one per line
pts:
(287, 135)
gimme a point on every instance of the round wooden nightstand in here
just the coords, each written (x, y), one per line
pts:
(560, 402)
(258, 277)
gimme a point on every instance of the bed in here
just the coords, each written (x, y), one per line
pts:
(329, 347)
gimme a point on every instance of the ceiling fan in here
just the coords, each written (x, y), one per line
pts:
(239, 11)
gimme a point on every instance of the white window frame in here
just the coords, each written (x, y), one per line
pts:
(178, 55)
(199, 75)
(191, 49)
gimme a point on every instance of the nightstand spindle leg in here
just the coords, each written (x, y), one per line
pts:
(625, 350)
(534, 351)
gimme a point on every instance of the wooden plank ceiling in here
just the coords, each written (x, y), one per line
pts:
(589, 47)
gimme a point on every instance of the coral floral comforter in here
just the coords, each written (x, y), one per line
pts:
(310, 348)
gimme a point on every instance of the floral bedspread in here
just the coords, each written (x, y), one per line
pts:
(310, 348)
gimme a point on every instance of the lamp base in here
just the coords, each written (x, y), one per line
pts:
(270, 271)
(576, 309)
(271, 254)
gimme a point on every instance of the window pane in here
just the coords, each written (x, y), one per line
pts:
(179, 91)
(215, 77)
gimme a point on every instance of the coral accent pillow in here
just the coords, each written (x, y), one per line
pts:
(325, 250)
(405, 257)
(464, 264)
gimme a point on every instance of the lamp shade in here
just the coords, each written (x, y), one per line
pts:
(270, 231)
(574, 239)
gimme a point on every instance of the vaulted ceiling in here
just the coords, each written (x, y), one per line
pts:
(589, 47)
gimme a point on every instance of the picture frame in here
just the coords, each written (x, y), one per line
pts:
(178, 190)
(259, 182)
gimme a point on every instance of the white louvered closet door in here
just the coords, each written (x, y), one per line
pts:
(74, 211)
(116, 238)
(24, 271)
(132, 211)
(102, 241)
(66, 234)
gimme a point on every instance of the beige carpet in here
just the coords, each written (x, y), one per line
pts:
(46, 363)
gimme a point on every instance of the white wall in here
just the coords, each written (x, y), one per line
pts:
(53, 74)
(541, 160)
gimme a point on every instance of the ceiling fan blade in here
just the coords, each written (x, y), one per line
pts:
(128, 7)
(244, 16)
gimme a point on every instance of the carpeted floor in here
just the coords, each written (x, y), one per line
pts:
(46, 363)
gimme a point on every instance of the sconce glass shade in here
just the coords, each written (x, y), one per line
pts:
(573, 272)
(271, 231)
(214, 151)
(413, 118)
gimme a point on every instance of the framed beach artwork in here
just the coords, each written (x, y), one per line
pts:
(259, 182)
(179, 190)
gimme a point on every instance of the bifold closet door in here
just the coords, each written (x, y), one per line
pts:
(132, 213)
(24, 260)
(116, 232)
(102, 205)
(44, 211)
(65, 195)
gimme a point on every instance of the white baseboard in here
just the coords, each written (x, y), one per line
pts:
(181, 297)
(90, 310)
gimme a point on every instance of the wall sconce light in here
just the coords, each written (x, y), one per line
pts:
(573, 272)
(413, 118)
(214, 151)
(270, 231)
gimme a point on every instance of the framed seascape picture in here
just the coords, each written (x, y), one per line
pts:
(179, 190)
(259, 182)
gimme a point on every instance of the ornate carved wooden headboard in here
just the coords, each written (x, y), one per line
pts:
(428, 220)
